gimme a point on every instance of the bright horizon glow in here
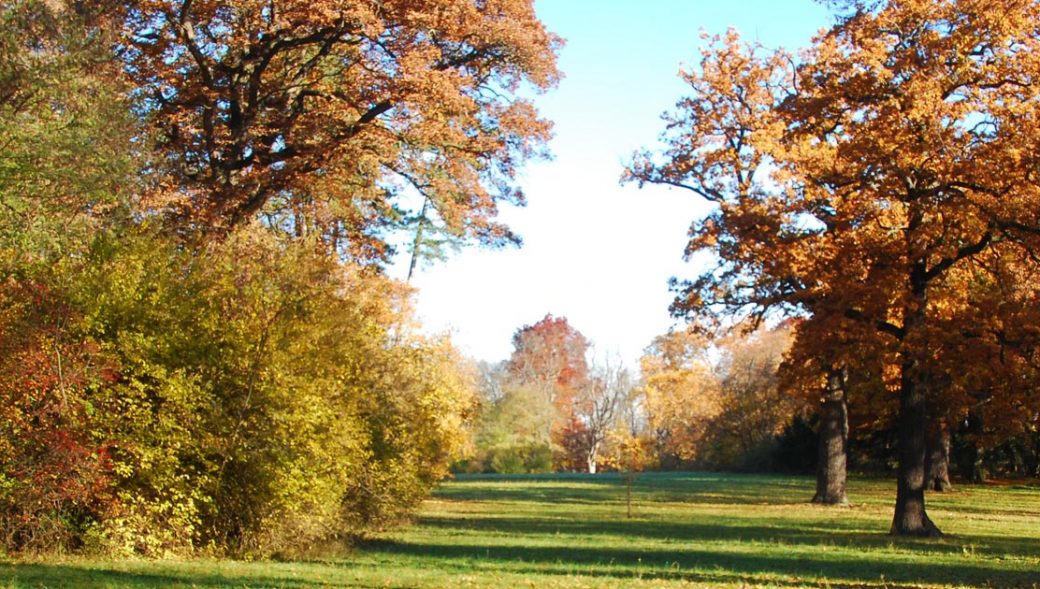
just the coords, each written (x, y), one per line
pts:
(595, 252)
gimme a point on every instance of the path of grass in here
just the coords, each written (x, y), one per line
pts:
(688, 530)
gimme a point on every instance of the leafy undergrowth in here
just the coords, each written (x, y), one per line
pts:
(687, 530)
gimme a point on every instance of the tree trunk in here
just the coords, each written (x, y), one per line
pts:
(833, 444)
(417, 242)
(910, 516)
(1034, 459)
(971, 464)
(629, 478)
(968, 454)
(590, 459)
(939, 458)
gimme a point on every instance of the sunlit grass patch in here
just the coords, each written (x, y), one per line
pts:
(687, 530)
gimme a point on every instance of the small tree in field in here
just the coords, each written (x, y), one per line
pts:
(630, 455)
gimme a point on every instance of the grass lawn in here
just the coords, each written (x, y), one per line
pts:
(687, 530)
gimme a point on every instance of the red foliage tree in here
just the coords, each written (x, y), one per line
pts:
(550, 355)
(55, 469)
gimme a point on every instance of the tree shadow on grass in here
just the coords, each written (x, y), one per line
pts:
(70, 576)
(784, 532)
(708, 566)
(707, 488)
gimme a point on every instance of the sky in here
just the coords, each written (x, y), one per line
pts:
(596, 252)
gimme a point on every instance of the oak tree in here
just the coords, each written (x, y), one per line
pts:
(333, 115)
(855, 180)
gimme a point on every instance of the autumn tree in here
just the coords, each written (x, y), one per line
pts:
(752, 406)
(55, 472)
(550, 400)
(550, 356)
(512, 430)
(716, 403)
(65, 128)
(328, 115)
(680, 393)
(855, 181)
(262, 392)
(985, 367)
(252, 397)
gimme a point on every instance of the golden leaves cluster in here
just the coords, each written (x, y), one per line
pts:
(332, 110)
(871, 183)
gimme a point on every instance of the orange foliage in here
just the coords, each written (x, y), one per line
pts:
(716, 404)
(681, 393)
(863, 184)
(325, 111)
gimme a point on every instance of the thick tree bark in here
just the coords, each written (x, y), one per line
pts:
(833, 445)
(910, 516)
(939, 457)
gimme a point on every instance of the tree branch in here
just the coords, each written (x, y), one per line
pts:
(883, 326)
(962, 252)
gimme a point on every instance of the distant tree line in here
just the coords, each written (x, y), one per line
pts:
(741, 402)
(551, 406)
(694, 404)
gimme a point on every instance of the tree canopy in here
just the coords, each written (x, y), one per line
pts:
(328, 114)
(857, 180)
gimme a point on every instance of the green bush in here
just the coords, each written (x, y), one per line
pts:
(251, 398)
(526, 458)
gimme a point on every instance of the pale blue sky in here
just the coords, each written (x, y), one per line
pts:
(595, 252)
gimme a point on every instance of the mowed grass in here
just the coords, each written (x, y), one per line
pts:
(687, 530)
